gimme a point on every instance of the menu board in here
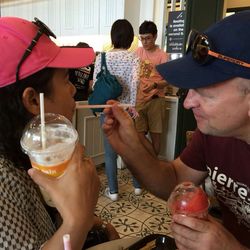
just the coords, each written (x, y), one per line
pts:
(175, 31)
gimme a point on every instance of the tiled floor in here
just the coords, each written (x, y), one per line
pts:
(132, 215)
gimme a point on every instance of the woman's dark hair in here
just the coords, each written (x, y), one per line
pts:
(148, 27)
(14, 116)
(79, 45)
(122, 34)
(82, 45)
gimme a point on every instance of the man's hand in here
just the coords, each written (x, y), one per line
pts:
(119, 129)
(195, 234)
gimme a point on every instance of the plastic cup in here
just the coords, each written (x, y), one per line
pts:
(60, 140)
(190, 200)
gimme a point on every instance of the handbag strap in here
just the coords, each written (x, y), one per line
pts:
(103, 63)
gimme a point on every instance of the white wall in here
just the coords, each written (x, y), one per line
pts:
(160, 9)
(137, 11)
(95, 41)
(132, 8)
(146, 10)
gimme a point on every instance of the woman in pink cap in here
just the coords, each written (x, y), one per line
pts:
(31, 64)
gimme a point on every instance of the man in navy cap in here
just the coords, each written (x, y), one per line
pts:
(216, 72)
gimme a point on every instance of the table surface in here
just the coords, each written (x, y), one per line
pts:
(115, 244)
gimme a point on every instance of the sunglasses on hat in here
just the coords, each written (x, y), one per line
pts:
(42, 29)
(202, 53)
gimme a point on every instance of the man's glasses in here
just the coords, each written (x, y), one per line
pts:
(146, 38)
(42, 29)
(200, 46)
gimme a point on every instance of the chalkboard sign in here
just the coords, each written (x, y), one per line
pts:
(175, 31)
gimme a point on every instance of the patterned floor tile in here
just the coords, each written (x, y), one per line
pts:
(132, 215)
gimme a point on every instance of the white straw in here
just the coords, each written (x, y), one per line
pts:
(66, 242)
(87, 106)
(43, 136)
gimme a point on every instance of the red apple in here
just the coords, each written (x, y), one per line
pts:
(189, 200)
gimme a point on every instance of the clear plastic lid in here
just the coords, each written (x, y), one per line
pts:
(59, 133)
(188, 199)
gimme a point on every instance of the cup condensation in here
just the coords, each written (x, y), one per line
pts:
(190, 200)
(60, 140)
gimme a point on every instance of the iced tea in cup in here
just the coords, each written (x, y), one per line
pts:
(60, 138)
(190, 200)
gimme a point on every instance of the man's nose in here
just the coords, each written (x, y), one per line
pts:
(190, 100)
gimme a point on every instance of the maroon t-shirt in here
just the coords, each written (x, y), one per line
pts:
(227, 161)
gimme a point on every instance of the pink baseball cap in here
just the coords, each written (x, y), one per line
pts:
(16, 35)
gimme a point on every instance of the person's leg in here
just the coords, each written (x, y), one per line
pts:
(146, 143)
(156, 121)
(141, 126)
(110, 163)
(156, 142)
(137, 186)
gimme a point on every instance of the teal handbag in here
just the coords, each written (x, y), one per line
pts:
(106, 87)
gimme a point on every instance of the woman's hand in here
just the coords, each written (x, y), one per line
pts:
(75, 193)
(109, 229)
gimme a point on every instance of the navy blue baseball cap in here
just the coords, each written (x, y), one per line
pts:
(229, 37)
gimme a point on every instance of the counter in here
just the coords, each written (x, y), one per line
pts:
(91, 135)
(168, 137)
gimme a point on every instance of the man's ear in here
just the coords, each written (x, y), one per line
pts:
(31, 101)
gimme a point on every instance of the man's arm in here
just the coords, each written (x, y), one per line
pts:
(159, 177)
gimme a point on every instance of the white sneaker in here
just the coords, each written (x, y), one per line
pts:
(120, 163)
(113, 197)
(138, 191)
